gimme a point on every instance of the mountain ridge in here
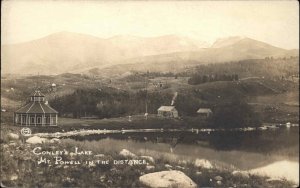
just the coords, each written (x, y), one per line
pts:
(68, 51)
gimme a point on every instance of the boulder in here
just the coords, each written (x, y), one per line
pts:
(198, 173)
(218, 178)
(13, 136)
(14, 177)
(54, 140)
(180, 167)
(127, 153)
(102, 178)
(203, 163)
(168, 166)
(12, 144)
(167, 179)
(243, 174)
(36, 140)
(150, 167)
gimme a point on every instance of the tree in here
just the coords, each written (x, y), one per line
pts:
(236, 114)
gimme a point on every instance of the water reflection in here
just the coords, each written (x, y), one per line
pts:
(279, 141)
(252, 150)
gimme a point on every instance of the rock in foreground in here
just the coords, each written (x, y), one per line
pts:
(36, 140)
(203, 163)
(127, 153)
(13, 136)
(167, 179)
(243, 174)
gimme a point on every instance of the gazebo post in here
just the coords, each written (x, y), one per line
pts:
(50, 120)
(35, 119)
(27, 120)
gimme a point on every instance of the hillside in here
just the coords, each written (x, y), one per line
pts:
(270, 67)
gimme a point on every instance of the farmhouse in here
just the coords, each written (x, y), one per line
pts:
(167, 111)
(204, 112)
(36, 113)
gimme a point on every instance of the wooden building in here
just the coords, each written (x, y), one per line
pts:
(204, 112)
(36, 113)
(167, 111)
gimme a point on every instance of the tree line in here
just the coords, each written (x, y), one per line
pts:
(200, 79)
(108, 103)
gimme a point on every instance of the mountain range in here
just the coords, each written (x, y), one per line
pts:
(72, 52)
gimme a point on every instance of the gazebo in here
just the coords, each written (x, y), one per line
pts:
(36, 113)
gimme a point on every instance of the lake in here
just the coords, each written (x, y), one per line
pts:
(259, 151)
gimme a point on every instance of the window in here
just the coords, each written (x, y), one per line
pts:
(32, 120)
(39, 120)
(24, 119)
(47, 120)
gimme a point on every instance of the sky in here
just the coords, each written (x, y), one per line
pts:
(274, 22)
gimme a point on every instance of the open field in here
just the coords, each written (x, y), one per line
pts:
(281, 108)
(276, 101)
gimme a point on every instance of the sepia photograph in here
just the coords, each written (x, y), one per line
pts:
(149, 94)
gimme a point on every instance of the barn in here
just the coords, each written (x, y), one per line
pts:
(167, 111)
(36, 113)
(204, 112)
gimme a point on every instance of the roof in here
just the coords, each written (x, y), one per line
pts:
(36, 107)
(167, 108)
(37, 93)
(204, 110)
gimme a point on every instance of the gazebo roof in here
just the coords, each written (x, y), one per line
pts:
(36, 108)
(37, 93)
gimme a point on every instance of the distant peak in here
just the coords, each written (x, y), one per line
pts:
(70, 35)
(231, 38)
(221, 42)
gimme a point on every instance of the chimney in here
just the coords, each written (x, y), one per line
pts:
(174, 98)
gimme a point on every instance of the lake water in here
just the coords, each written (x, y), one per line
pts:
(262, 151)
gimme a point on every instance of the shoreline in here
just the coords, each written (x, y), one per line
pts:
(83, 132)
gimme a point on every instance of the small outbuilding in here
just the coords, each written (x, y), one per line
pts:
(36, 113)
(167, 111)
(204, 112)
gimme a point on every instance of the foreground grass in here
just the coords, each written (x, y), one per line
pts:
(19, 168)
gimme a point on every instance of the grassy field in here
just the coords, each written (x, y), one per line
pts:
(276, 101)
(137, 122)
(279, 108)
